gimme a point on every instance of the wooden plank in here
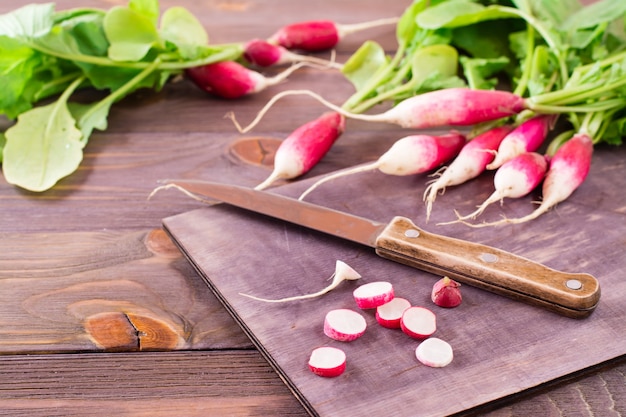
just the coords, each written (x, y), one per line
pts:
(511, 346)
(228, 383)
(80, 291)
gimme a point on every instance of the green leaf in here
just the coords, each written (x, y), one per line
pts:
(27, 22)
(147, 8)
(131, 35)
(594, 14)
(88, 33)
(364, 63)
(615, 132)
(479, 71)
(181, 28)
(406, 26)
(17, 65)
(43, 147)
(473, 39)
(456, 13)
(434, 59)
(90, 116)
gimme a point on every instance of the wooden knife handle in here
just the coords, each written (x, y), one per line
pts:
(571, 294)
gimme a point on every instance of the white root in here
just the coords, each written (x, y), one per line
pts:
(363, 168)
(184, 191)
(343, 272)
(496, 196)
(347, 29)
(372, 118)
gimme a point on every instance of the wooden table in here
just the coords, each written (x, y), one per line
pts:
(101, 315)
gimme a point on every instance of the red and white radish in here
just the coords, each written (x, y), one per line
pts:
(410, 155)
(390, 314)
(262, 53)
(515, 179)
(527, 137)
(434, 352)
(344, 325)
(418, 322)
(305, 147)
(319, 35)
(343, 272)
(567, 170)
(373, 294)
(468, 164)
(327, 361)
(446, 293)
(231, 80)
(447, 107)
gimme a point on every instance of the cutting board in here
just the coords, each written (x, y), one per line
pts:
(501, 346)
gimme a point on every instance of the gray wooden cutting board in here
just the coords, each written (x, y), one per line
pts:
(502, 347)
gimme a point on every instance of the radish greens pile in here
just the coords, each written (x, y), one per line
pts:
(50, 54)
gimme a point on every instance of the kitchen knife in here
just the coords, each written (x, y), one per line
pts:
(571, 294)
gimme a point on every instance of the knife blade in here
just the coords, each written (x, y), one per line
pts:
(573, 295)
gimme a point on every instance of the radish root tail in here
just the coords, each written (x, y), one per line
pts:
(184, 191)
(323, 101)
(336, 175)
(543, 208)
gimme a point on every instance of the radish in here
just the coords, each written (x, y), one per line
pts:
(373, 294)
(318, 35)
(527, 137)
(567, 170)
(418, 322)
(515, 179)
(410, 155)
(446, 293)
(231, 80)
(265, 54)
(390, 314)
(469, 163)
(434, 352)
(447, 107)
(327, 361)
(343, 272)
(305, 147)
(344, 325)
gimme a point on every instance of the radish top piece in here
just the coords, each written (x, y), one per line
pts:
(343, 272)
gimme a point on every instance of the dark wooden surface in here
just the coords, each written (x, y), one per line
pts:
(99, 310)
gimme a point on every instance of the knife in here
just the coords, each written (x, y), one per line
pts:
(573, 295)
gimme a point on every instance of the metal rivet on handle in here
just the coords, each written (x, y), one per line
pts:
(488, 257)
(574, 284)
(412, 233)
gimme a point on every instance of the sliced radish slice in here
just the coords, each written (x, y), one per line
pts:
(344, 325)
(327, 361)
(373, 294)
(418, 322)
(434, 352)
(390, 314)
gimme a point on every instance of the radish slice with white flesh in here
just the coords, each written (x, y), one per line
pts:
(434, 352)
(390, 314)
(327, 361)
(344, 325)
(373, 294)
(418, 322)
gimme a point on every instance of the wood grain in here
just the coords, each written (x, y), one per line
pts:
(88, 257)
(230, 383)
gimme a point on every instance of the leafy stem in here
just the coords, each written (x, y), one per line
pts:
(227, 52)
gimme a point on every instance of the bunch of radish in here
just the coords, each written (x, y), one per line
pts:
(391, 312)
(506, 131)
